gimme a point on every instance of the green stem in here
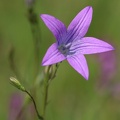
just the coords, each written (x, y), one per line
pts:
(45, 91)
(40, 118)
(45, 96)
(50, 74)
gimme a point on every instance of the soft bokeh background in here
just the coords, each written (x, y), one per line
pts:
(71, 97)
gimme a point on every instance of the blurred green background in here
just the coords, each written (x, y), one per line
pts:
(71, 97)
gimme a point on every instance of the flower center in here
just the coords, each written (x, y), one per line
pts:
(64, 49)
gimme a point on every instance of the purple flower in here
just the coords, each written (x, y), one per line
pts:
(71, 43)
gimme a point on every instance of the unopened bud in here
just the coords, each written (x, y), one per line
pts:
(16, 84)
(48, 71)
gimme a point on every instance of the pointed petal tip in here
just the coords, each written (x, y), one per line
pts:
(45, 16)
(86, 77)
(79, 63)
(43, 63)
(42, 15)
(89, 7)
(112, 48)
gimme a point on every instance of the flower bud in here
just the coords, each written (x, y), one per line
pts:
(16, 84)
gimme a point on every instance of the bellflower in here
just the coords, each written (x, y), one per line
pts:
(71, 45)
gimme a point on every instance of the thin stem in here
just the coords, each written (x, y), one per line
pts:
(45, 96)
(19, 86)
(45, 91)
(40, 118)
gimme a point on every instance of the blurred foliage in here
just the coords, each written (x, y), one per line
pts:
(70, 96)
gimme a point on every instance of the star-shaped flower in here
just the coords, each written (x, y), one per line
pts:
(71, 45)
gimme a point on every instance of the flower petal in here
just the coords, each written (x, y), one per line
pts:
(78, 62)
(90, 45)
(52, 56)
(54, 25)
(80, 24)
